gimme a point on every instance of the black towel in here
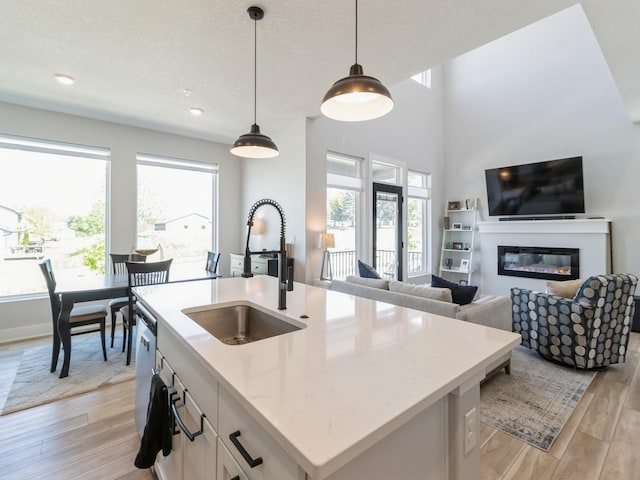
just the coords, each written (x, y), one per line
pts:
(157, 431)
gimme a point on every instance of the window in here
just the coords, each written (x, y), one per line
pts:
(176, 205)
(418, 195)
(423, 78)
(343, 211)
(53, 205)
(386, 173)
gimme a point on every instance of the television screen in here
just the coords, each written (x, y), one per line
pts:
(554, 187)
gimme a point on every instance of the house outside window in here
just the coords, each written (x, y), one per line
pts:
(344, 187)
(52, 205)
(176, 205)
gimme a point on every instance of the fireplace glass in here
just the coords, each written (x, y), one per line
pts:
(539, 262)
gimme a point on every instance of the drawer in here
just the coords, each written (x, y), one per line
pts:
(198, 380)
(228, 468)
(259, 268)
(237, 261)
(256, 442)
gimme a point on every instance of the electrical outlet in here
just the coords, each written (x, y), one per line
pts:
(470, 431)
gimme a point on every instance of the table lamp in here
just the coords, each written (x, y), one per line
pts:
(328, 241)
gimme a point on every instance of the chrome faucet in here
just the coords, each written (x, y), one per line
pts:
(285, 274)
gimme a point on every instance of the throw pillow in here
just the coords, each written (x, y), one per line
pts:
(460, 294)
(367, 271)
(566, 289)
(425, 291)
(369, 282)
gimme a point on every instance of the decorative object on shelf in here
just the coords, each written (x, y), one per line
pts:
(448, 262)
(328, 241)
(254, 144)
(458, 235)
(357, 97)
(463, 282)
(470, 203)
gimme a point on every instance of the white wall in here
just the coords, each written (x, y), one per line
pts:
(281, 179)
(542, 93)
(410, 134)
(32, 317)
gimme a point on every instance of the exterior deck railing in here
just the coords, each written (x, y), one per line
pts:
(343, 262)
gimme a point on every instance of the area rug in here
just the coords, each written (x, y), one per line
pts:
(535, 401)
(35, 385)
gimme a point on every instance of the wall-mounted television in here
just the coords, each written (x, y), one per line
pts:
(554, 187)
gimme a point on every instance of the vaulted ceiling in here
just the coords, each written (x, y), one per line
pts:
(132, 61)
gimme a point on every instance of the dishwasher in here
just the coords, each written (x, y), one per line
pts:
(145, 362)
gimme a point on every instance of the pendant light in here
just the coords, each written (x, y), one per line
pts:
(254, 144)
(357, 97)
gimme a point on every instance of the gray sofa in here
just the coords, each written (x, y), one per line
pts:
(487, 310)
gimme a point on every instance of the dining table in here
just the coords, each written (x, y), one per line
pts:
(89, 288)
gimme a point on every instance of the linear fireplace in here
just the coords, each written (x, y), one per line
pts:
(539, 262)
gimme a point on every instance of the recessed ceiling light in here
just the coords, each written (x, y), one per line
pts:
(196, 111)
(64, 79)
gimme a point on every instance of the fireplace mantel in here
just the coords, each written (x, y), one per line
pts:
(592, 236)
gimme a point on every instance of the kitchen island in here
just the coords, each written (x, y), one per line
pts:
(363, 389)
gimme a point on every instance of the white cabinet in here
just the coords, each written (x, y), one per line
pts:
(458, 238)
(258, 264)
(194, 443)
(252, 448)
(228, 468)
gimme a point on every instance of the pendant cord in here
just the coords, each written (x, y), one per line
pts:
(255, 69)
(356, 31)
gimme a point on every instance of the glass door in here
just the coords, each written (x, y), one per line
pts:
(387, 230)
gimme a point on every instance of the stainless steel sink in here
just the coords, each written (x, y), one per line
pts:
(240, 324)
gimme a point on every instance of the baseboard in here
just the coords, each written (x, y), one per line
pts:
(29, 332)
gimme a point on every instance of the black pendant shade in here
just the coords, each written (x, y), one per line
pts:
(357, 97)
(254, 144)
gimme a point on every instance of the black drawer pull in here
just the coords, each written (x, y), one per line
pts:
(253, 462)
(183, 427)
(237, 477)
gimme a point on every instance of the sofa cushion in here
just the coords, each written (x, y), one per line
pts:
(367, 271)
(425, 291)
(565, 289)
(460, 294)
(369, 282)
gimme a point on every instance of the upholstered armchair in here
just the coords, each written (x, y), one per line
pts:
(588, 331)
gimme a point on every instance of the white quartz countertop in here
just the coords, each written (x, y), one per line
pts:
(356, 372)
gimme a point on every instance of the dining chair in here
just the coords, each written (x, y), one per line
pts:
(140, 274)
(118, 261)
(212, 262)
(80, 316)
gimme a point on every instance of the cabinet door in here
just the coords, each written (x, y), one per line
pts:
(228, 468)
(250, 445)
(199, 455)
(170, 467)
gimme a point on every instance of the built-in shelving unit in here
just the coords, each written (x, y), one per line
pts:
(458, 236)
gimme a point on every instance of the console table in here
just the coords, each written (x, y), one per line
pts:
(260, 265)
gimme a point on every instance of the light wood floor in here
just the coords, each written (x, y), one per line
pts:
(92, 436)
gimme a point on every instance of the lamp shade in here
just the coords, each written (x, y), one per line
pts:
(356, 98)
(328, 241)
(259, 226)
(254, 145)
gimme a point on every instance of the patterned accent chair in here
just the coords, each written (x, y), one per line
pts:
(589, 331)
